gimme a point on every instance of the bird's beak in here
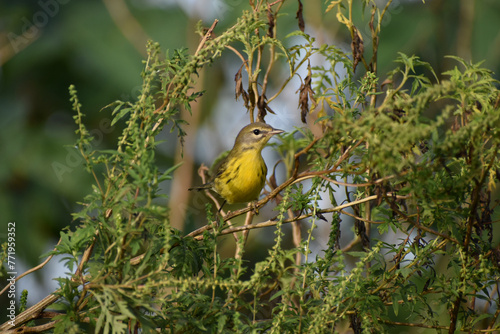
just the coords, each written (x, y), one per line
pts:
(275, 132)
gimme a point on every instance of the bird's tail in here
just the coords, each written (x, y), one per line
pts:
(202, 187)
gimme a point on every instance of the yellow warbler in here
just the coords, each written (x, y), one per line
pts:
(242, 174)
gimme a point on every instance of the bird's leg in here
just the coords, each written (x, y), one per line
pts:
(218, 216)
(221, 206)
(253, 206)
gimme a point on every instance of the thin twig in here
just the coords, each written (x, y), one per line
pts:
(243, 60)
(206, 37)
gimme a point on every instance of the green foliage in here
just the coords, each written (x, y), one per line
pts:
(408, 161)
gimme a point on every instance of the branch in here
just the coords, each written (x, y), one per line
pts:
(206, 37)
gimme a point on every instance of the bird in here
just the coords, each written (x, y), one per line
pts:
(242, 174)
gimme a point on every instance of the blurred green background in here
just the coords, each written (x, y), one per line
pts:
(99, 47)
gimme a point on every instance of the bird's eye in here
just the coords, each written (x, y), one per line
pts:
(256, 132)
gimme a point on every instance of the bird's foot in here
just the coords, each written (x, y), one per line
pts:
(253, 207)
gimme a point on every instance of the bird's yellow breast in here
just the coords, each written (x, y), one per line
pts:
(243, 177)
